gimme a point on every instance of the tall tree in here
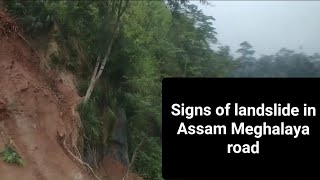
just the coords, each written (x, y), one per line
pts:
(246, 51)
(119, 6)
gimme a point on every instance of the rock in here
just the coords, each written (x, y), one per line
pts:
(118, 145)
(24, 89)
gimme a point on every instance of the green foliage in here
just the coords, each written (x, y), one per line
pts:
(285, 63)
(148, 161)
(34, 16)
(246, 51)
(156, 39)
(82, 87)
(9, 155)
(91, 123)
(55, 61)
(97, 118)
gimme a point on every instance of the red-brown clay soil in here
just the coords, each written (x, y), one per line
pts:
(114, 170)
(35, 106)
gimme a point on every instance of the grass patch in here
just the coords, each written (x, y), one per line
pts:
(10, 156)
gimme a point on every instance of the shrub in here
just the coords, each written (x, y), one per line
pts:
(9, 155)
(34, 16)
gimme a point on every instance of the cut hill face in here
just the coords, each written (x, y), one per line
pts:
(35, 108)
(37, 114)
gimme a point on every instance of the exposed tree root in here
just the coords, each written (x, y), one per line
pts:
(7, 25)
(133, 158)
(62, 141)
(28, 44)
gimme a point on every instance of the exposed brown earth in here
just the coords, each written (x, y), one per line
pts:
(37, 106)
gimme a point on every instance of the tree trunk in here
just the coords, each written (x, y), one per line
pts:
(92, 81)
(96, 75)
(89, 90)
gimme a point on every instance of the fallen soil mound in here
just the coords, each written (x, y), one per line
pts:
(114, 170)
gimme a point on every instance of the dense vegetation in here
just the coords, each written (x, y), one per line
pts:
(140, 42)
(285, 63)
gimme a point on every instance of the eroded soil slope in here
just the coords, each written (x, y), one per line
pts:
(35, 106)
